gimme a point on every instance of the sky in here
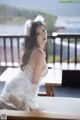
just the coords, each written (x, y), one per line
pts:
(53, 7)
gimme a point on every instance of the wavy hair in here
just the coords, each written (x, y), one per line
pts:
(30, 43)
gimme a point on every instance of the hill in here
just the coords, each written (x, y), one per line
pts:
(13, 15)
(54, 7)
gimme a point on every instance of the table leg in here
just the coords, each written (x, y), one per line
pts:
(48, 90)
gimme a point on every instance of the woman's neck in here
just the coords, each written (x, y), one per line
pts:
(42, 47)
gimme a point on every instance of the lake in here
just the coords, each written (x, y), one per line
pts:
(11, 29)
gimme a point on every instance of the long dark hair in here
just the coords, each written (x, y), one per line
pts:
(30, 43)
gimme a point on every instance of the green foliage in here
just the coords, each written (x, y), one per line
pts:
(50, 20)
(12, 15)
(50, 46)
(78, 59)
(50, 58)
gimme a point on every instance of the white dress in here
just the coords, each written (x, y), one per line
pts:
(20, 91)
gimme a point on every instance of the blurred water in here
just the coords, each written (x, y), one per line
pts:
(11, 30)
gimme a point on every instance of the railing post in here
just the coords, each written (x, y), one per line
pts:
(5, 55)
(75, 51)
(18, 48)
(68, 55)
(61, 51)
(54, 50)
(12, 56)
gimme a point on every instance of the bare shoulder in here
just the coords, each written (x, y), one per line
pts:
(37, 56)
(41, 54)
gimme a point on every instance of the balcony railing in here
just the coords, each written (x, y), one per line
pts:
(61, 48)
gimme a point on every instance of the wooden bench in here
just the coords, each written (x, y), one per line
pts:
(54, 108)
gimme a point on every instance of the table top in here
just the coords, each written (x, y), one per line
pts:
(54, 76)
(57, 107)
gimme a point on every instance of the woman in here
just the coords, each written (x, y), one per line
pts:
(20, 93)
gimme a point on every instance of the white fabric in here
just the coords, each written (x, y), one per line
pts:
(40, 18)
(28, 24)
(20, 91)
(27, 27)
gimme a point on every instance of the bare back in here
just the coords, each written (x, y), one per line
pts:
(34, 56)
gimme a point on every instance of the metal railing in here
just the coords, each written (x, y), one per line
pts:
(66, 47)
(60, 48)
(10, 49)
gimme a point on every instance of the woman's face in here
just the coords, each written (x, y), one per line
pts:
(41, 35)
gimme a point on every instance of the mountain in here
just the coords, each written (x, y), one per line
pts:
(54, 7)
(16, 16)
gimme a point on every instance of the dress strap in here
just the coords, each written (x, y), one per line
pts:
(33, 52)
(41, 50)
(36, 50)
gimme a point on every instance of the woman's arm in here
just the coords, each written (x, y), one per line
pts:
(39, 64)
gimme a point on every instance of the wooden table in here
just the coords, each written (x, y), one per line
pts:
(54, 108)
(53, 78)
